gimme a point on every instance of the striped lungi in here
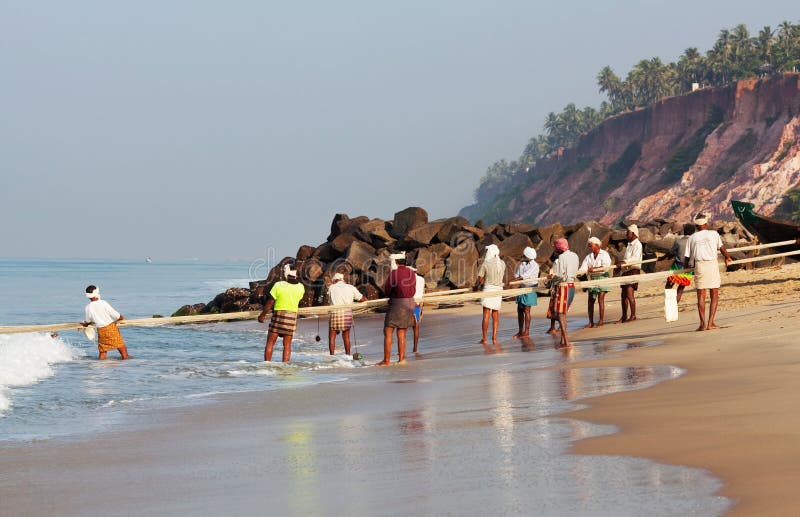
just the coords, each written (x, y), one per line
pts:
(706, 274)
(564, 295)
(495, 302)
(683, 279)
(109, 338)
(283, 323)
(341, 319)
(401, 313)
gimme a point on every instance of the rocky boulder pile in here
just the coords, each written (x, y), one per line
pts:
(446, 252)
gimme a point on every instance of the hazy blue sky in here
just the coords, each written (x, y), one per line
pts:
(218, 129)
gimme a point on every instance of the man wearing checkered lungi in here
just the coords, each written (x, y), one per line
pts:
(562, 275)
(284, 300)
(104, 317)
(341, 293)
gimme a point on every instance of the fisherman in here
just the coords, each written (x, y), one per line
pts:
(491, 276)
(562, 281)
(105, 318)
(341, 320)
(419, 294)
(528, 274)
(596, 266)
(400, 287)
(678, 252)
(284, 301)
(702, 248)
(631, 265)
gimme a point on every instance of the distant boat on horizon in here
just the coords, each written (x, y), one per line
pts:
(148, 260)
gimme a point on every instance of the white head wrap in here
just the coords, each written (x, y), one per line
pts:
(634, 229)
(529, 252)
(492, 251)
(394, 257)
(701, 219)
(595, 240)
(288, 271)
(337, 277)
(94, 294)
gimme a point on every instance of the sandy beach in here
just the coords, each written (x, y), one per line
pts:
(410, 439)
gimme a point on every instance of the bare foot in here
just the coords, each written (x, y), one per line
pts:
(712, 326)
(700, 328)
(621, 320)
(599, 324)
(589, 326)
(552, 331)
(483, 342)
(494, 341)
(632, 318)
(383, 363)
(517, 335)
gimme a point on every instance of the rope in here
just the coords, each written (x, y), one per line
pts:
(372, 304)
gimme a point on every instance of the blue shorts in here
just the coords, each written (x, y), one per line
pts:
(528, 300)
(417, 312)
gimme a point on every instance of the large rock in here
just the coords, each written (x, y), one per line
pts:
(646, 235)
(662, 245)
(544, 250)
(514, 227)
(327, 253)
(488, 238)
(551, 233)
(369, 291)
(435, 275)
(360, 255)
(276, 273)
(374, 231)
(378, 272)
(304, 252)
(311, 270)
(462, 266)
(343, 241)
(408, 219)
(450, 227)
(338, 225)
(440, 251)
(424, 261)
(423, 235)
(513, 246)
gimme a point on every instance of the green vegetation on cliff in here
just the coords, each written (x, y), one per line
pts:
(735, 55)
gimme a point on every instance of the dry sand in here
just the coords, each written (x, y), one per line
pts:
(735, 412)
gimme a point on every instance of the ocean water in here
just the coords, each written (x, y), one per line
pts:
(52, 388)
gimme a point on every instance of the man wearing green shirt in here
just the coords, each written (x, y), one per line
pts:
(284, 300)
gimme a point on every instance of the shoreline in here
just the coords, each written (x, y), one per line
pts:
(734, 411)
(674, 423)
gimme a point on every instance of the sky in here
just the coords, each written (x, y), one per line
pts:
(236, 130)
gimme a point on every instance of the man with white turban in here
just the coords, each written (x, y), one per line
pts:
(528, 273)
(284, 300)
(105, 318)
(596, 265)
(491, 275)
(400, 287)
(702, 247)
(631, 264)
(341, 320)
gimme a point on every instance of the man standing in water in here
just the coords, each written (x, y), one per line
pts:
(284, 300)
(341, 320)
(527, 270)
(702, 247)
(400, 287)
(491, 275)
(105, 318)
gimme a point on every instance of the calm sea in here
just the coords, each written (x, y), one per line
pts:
(55, 388)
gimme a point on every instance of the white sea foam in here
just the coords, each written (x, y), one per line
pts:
(28, 358)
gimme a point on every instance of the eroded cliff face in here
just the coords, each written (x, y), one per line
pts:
(683, 154)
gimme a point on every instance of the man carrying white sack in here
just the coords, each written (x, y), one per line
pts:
(491, 275)
(702, 247)
(105, 318)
